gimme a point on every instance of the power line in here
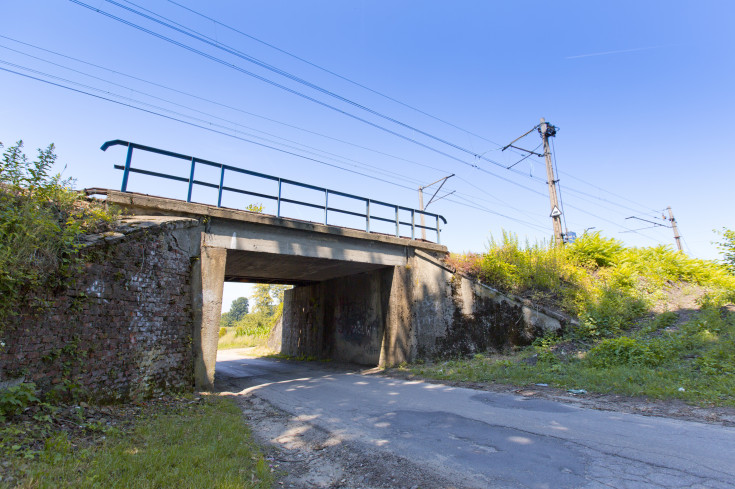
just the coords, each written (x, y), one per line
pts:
(210, 129)
(210, 101)
(403, 177)
(209, 41)
(641, 206)
(306, 96)
(341, 77)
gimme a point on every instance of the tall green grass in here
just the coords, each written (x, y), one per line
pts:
(606, 285)
(693, 361)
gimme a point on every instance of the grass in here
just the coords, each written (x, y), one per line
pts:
(693, 361)
(231, 339)
(194, 443)
(652, 321)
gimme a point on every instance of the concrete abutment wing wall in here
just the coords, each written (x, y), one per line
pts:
(404, 313)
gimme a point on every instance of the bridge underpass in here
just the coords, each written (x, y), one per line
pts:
(360, 296)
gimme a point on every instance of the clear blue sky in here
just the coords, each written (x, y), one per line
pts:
(642, 93)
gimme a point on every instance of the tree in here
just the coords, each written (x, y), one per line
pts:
(239, 308)
(727, 247)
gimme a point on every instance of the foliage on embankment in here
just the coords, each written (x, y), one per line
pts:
(596, 279)
(652, 321)
(41, 221)
(252, 328)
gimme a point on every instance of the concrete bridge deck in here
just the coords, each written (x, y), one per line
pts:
(359, 297)
(268, 249)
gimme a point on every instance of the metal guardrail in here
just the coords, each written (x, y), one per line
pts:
(279, 198)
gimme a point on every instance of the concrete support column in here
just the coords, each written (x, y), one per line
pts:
(207, 282)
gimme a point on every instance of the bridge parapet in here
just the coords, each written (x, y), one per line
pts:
(283, 184)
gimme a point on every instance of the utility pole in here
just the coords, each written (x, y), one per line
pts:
(421, 200)
(547, 130)
(677, 238)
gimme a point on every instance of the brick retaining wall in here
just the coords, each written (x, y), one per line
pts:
(123, 330)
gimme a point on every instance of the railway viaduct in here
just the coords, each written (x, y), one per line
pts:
(359, 297)
(143, 315)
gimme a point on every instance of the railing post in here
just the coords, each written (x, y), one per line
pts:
(221, 181)
(278, 211)
(438, 231)
(413, 223)
(124, 187)
(326, 205)
(367, 215)
(397, 223)
(191, 179)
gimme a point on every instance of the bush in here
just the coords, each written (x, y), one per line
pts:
(41, 221)
(258, 324)
(594, 251)
(222, 332)
(621, 351)
(15, 399)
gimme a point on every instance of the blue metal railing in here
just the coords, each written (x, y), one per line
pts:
(191, 181)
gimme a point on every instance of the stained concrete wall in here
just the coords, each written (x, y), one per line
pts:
(420, 310)
(342, 319)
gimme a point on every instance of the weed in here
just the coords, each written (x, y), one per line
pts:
(15, 399)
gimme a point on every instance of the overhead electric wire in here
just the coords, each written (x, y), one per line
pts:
(641, 206)
(205, 39)
(202, 38)
(211, 129)
(574, 190)
(216, 44)
(338, 158)
(265, 80)
(288, 75)
(341, 77)
(474, 205)
(213, 102)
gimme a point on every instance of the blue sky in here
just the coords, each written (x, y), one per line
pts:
(641, 92)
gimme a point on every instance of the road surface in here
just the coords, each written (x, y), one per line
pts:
(419, 435)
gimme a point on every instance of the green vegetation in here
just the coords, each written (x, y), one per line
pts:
(727, 248)
(172, 443)
(651, 321)
(41, 221)
(238, 310)
(252, 329)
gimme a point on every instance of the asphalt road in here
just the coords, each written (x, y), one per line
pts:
(483, 439)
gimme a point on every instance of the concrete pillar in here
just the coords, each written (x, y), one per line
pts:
(207, 282)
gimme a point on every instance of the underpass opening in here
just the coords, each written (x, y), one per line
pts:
(321, 308)
(250, 312)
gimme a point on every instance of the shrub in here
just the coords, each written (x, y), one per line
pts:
(621, 351)
(727, 248)
(222, 332)
(593, 250)
(15, 399)
(41, 221)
